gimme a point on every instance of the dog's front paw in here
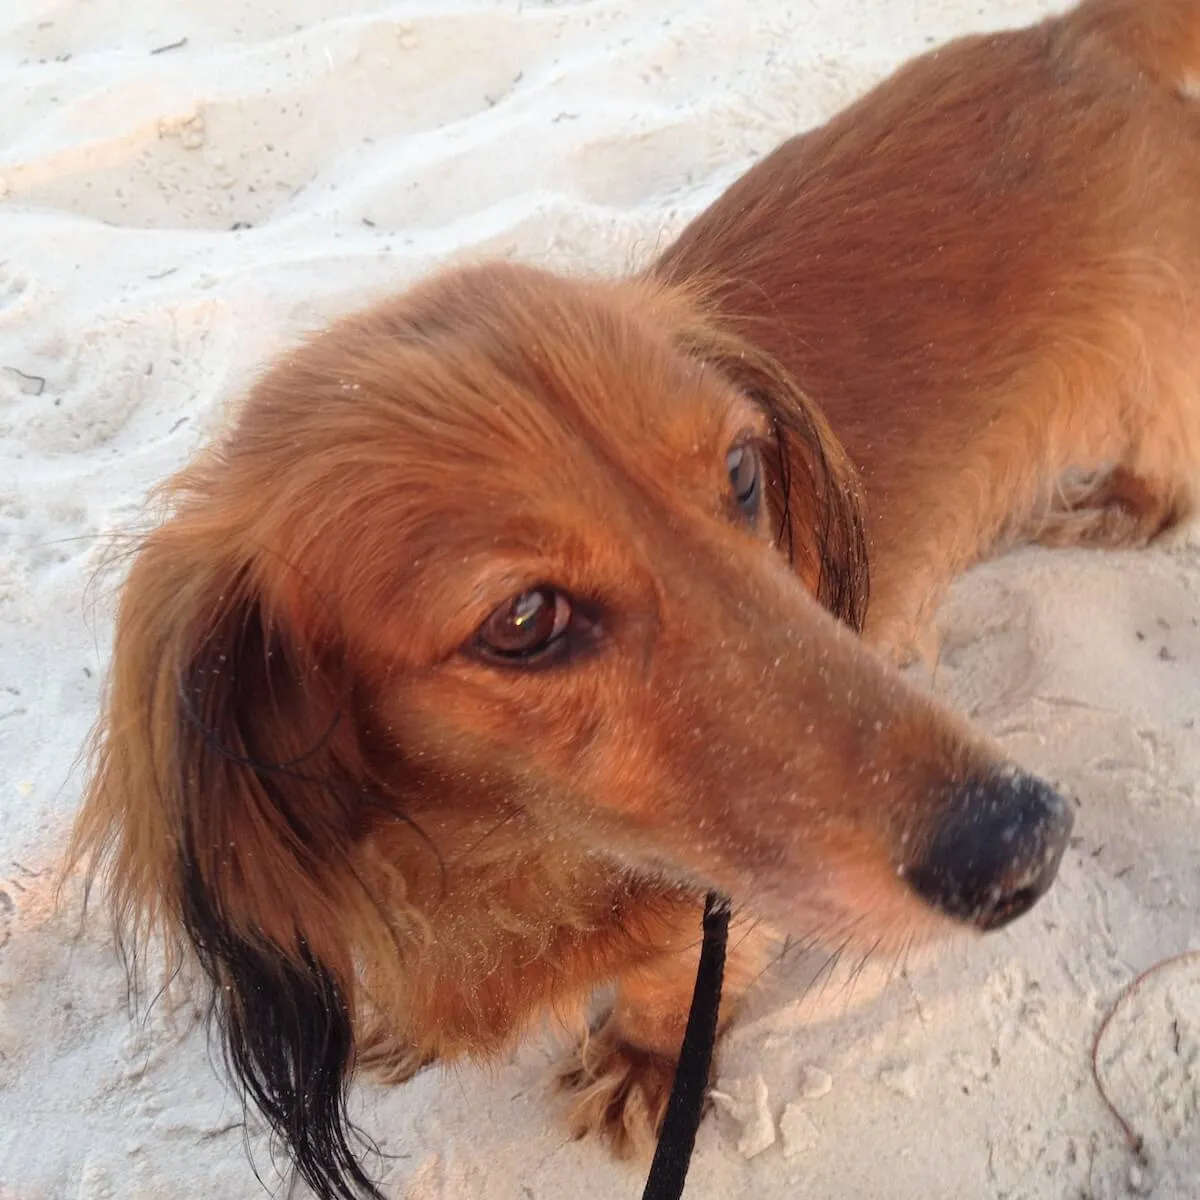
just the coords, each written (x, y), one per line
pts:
(620, 1091)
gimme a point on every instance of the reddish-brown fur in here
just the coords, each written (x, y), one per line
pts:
(985, 274)
(988, 272)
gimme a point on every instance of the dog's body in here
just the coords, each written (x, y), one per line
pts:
(1004, 235)
(394, 828)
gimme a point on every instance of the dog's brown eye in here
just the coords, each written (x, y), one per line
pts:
(745, 478)
(525, 627)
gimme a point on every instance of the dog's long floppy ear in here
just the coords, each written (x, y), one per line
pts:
(814, 489)
(225, 802)
(815, 493)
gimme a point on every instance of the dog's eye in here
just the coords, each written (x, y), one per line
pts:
(745, 478)
(525, 628)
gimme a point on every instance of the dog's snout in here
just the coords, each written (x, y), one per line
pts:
(995, 851)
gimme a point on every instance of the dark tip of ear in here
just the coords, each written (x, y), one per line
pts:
(293, 1053)
(289, 1045)
(288, 1041)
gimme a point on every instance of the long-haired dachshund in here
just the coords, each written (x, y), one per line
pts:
(517, 611)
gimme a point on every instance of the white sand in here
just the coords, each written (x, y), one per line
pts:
(359, 150)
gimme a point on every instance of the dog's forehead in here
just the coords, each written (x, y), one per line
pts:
(578, 361)
(493, 368)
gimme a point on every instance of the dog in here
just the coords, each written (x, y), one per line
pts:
(514, 613)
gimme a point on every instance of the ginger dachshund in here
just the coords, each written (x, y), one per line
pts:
(514, 613)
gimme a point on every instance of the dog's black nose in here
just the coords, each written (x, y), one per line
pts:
(995, 851)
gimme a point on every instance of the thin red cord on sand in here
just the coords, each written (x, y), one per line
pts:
(1136, 1142)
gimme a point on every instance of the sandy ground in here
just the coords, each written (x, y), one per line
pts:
(185, 185)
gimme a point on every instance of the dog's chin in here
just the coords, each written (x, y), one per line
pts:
(854, 913)
(849, 907)
(828, 960)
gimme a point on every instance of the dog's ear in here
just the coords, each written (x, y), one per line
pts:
(225, 803)
(814, 490)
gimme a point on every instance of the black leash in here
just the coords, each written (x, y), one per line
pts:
(673, 1155)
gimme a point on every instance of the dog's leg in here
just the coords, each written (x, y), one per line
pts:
(940, 508)
(942, 538)
(935, 505)
(622, 1072)
(1111, 508)
(1117, 509)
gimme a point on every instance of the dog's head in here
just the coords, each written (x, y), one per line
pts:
(517, 549)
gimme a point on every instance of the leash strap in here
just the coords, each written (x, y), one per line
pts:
(673, 1155)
